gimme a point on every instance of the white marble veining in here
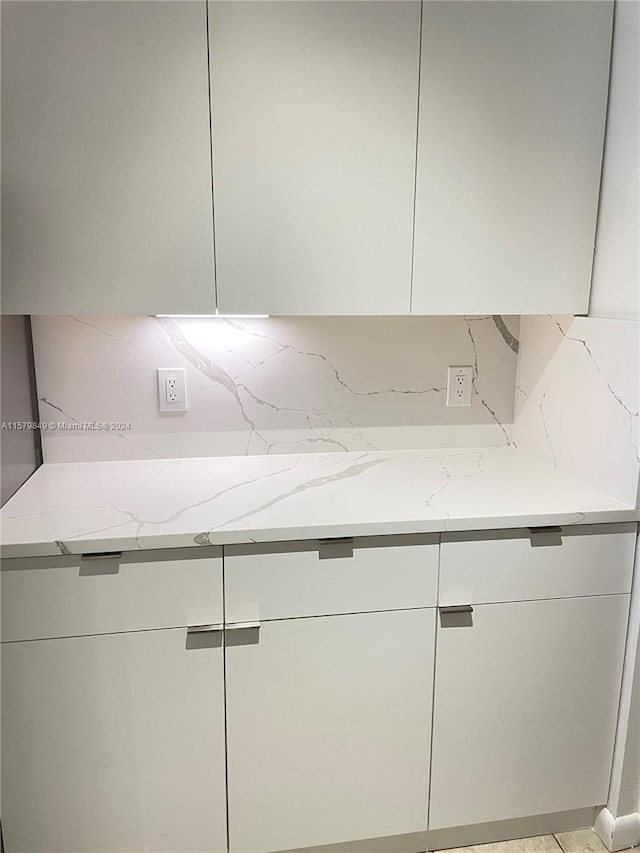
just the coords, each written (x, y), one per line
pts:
(110, 506)
(276, 385)
(578, 399)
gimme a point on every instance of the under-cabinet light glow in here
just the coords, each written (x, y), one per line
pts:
(210, 337)
(218, 316)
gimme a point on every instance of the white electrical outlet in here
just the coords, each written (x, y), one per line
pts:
(459, 383)
(172, 389)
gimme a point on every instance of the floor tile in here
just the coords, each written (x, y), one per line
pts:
(580, 841)
(538, 844)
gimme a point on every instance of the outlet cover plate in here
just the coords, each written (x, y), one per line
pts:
(459, 385)
(172, 389)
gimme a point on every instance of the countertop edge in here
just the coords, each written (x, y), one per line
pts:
(78, 546)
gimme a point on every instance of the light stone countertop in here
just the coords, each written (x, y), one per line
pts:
(74, 508)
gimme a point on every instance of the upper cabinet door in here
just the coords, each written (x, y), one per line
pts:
(314, 111)
(512, 113)
(106, 161)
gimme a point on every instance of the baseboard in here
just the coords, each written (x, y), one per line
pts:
(506, 830)
(414, 842)
(617, 833)
(621, 831)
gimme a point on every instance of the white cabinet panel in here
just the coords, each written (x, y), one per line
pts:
(512, 111)
(328, 724)
(292, 579)
(46, 597)
(113, 744)
(106, 172)
(314, 111)
(526, 701)
(485, 567)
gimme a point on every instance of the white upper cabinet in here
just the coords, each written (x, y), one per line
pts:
(106, 172)
(369, 156)
(314, 109)
(512, 112)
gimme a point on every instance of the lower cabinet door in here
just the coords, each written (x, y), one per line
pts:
(328, 726)
(525, 707)
(114, 744)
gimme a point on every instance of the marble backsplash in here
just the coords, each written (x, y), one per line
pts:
(274, 385)
(578, 399)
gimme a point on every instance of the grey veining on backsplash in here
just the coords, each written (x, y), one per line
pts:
(578, 399)
(47, 405)
(476, 375)
(509, 339)
(277, 385)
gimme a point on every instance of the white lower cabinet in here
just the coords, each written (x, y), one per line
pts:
(113, 744)
(112, 710)
(328, 724)
(527, 680)
(334, 658)
(525, 708)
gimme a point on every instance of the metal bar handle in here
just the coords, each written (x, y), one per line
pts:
(457, 608)
(552, 528)
(204, 629)
(103, 555)
(239, 626)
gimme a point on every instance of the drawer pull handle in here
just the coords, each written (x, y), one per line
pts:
(103, 555)
(543, 537)
(204, 629)
(552, 528)
(332, 549)
(239, 626)
(457, 608)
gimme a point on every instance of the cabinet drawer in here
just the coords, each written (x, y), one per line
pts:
(521, 565)
(290, 579)
(47, 597)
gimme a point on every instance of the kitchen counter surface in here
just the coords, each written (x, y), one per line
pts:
(76, 508)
